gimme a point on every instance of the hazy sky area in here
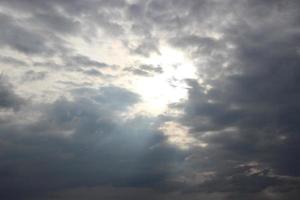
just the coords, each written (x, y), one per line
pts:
(149, 99)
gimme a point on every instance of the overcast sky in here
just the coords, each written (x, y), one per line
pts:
(149, 99)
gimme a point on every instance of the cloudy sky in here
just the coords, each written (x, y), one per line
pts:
(149, 99)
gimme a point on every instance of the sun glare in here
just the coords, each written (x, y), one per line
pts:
(168, 87)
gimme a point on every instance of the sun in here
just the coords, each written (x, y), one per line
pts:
(160, 90)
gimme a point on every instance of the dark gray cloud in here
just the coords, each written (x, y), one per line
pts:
(248, 113)
(83, 143)
(15, 36)
(8, 98)
(56, 21)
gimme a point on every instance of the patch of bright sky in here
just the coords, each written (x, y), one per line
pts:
(178, 135)
(156, 91)
(169, 87)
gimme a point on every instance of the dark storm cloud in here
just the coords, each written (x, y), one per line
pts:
(116, 193)
(83, 143)
(250, 113)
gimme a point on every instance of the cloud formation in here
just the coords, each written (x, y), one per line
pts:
(73, 117)
(9, 99)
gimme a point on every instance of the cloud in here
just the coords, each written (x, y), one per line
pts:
(245, 111)
(19, 38)
(111, 96)
(83, 142)
(56, 21)
(84, 61)
(145, 70)
(8, 98)
(31, 75)
(12, 61)
(80, 135)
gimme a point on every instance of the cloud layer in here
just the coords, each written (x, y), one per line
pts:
(70, 120)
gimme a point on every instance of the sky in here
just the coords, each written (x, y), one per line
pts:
(149, 99)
